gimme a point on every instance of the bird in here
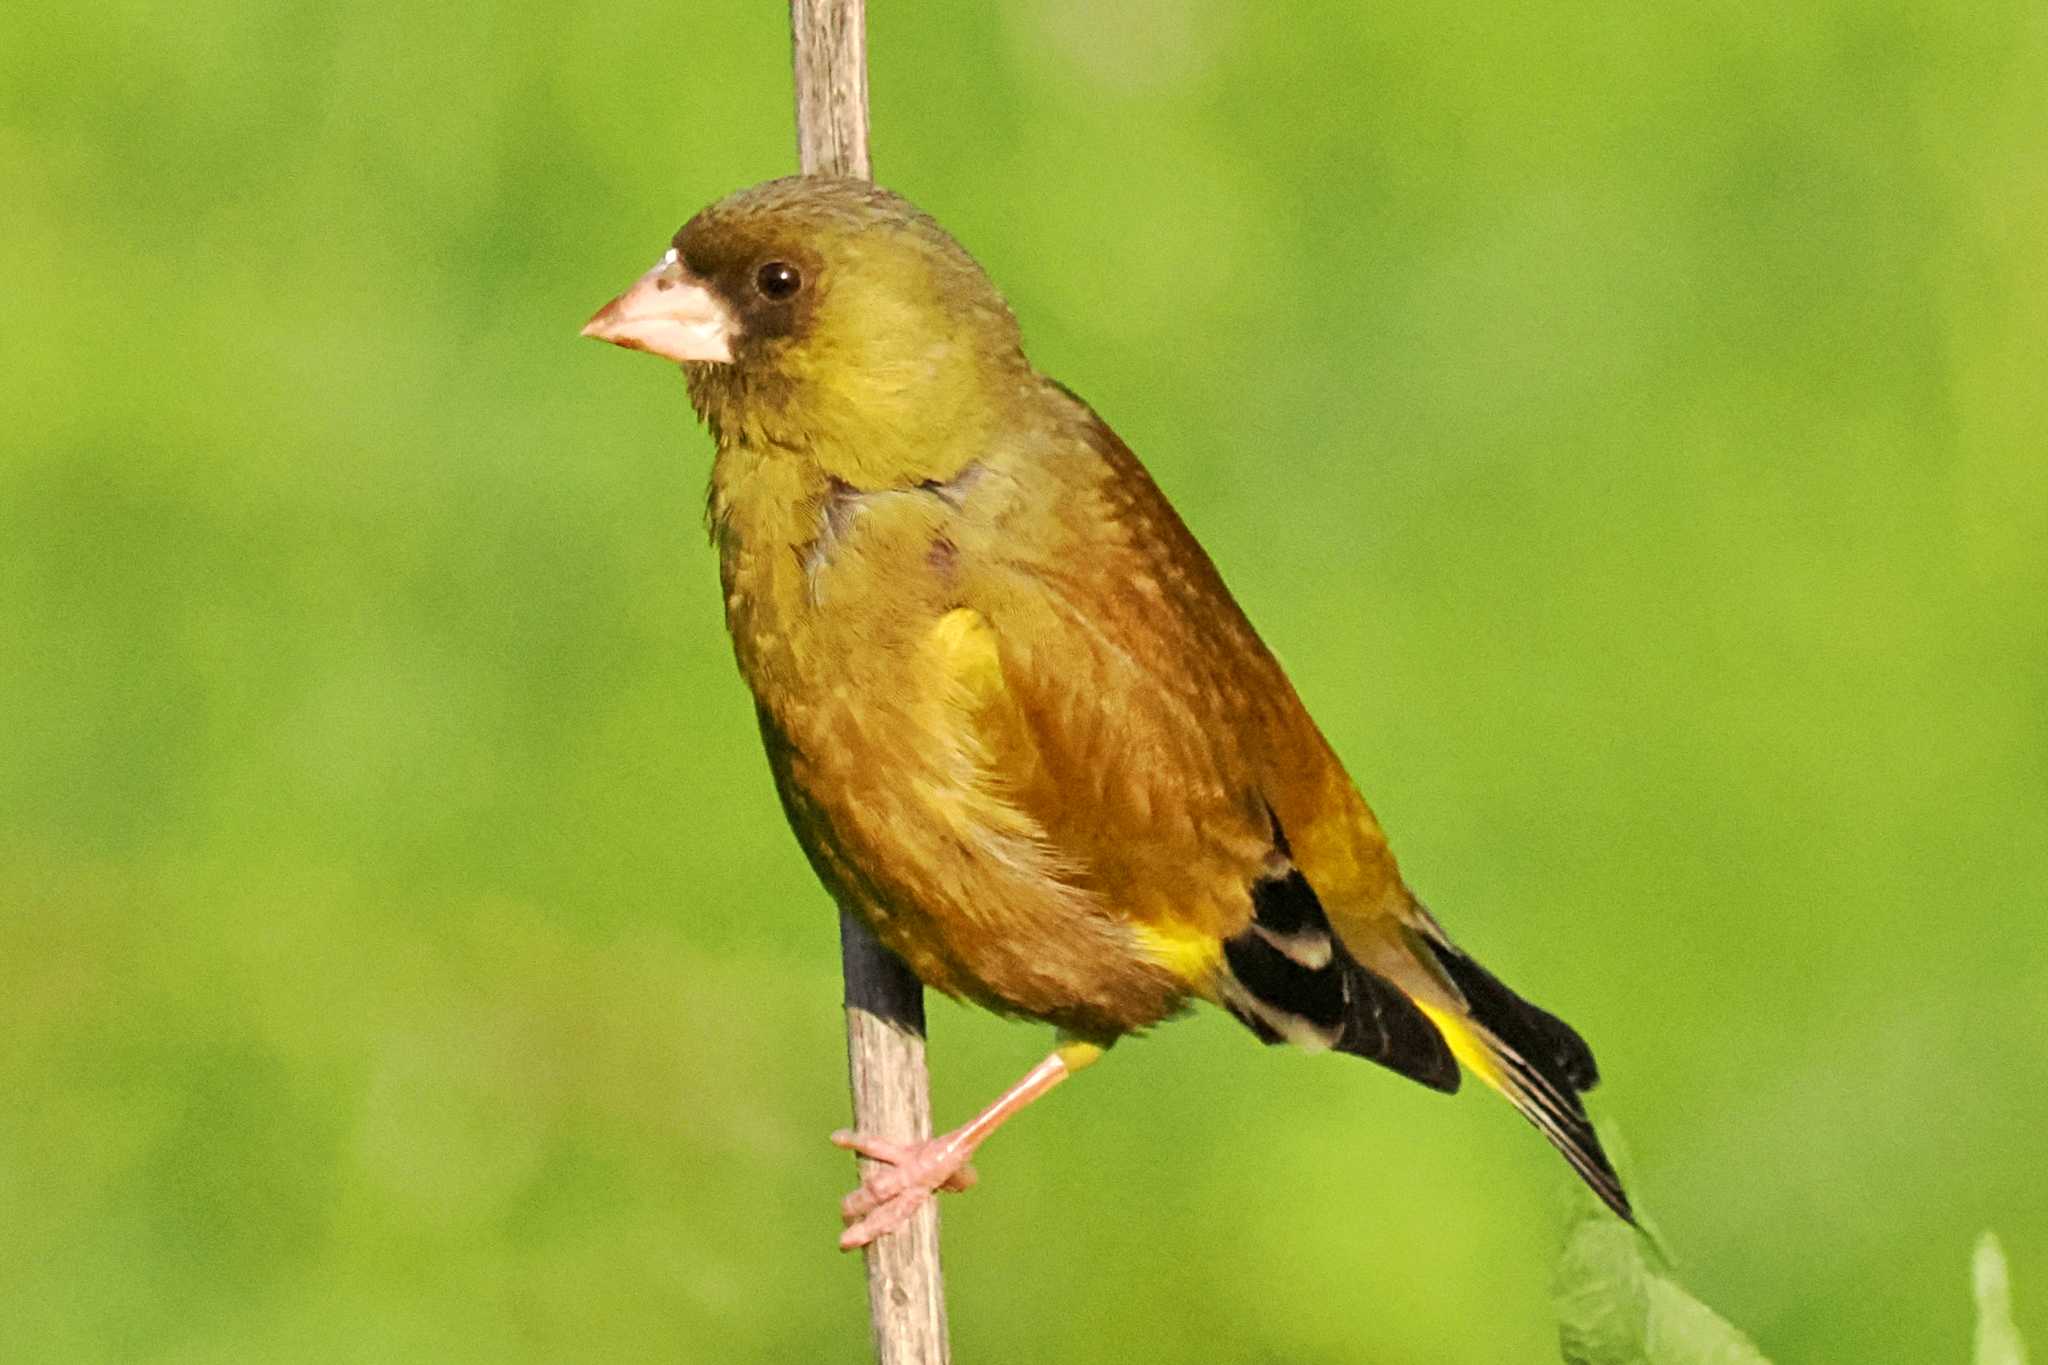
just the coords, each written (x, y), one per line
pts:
(1015, 717)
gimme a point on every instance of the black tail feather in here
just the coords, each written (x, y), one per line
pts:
(1544, 1067)
(1540, 1037)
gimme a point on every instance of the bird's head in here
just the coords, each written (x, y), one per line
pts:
(828, 316)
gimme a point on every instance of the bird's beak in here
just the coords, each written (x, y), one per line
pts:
(670, 313)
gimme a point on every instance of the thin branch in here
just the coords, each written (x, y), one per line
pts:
(884, 1003)
(830, 54)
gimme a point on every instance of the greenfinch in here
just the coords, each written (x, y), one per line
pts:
(1017, 721)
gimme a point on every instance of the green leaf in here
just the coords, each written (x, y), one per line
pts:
(1602, 1294)
(1998, 1340)
(1616, 1305)
(1684, 1331)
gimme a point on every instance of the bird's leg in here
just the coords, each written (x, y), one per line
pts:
(908, 1173)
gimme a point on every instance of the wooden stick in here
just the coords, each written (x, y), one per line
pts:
(884, 1003)
(829, 49)
(892, 1097)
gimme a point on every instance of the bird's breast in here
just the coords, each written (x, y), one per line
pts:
(866, 625)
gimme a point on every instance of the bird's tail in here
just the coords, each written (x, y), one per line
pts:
(1529, 1055)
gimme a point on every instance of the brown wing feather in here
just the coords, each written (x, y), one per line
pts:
(1168, 729)
(1165, 741)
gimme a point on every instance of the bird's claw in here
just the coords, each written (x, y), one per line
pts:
(904, 1176)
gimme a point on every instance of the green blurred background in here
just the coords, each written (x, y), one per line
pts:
(1626, 422)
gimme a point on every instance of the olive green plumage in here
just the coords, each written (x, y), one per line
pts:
(1017, 720)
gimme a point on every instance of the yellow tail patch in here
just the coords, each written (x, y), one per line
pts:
(1466, 1045)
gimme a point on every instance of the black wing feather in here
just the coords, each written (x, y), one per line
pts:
(1292, 976)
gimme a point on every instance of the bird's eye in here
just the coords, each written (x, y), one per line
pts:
(778, 280)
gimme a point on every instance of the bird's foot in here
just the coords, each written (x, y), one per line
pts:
(907, 1174)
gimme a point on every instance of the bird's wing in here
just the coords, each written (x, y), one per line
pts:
(1133, 717)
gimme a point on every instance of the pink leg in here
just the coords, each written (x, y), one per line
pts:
(912, 1172)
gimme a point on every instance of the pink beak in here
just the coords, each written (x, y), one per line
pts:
(670, 313)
